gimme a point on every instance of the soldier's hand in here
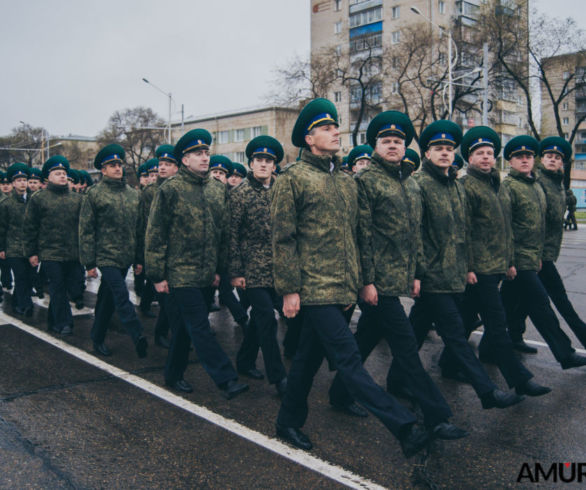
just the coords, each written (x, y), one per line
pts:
(162, 287)
(416, 289)
(33, 260)
(291, 305)
(2, 255)
(138, 269)
(92, 272)
(511, 273)
(369, 294)
(471, 278)
(238, 282)
(216, 282)
(540, 265)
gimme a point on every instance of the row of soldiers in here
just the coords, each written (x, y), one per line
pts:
(313, 242)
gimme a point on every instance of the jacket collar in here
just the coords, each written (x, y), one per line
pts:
(116, 184)
(256, 184)
(58, 189)
(556, 176)
(192, 176)
(437, 173)
(393, 169)
(493, 177)
(529, 179)
(321, 162)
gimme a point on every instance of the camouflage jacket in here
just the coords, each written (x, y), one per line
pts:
(186, 237)
(314, 213)
(528, 208)
(145, 201)
(443, 230)
(250, 253)
(51, 224)
(555, 196)
(12, 211)
(389, 228)
(490, 236)
(108, 225)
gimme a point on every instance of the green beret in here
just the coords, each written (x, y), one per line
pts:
(55, 163)
(358, 152)
(87, 178)
(458, 161)
(264, 146)
(238, 169)
(480, 136)
(167, 153)
(196, 139)
(17, 170)
(152, 164)
(318, 112)
(220, 162)
(556, 144)
(108, 154)
(521, 144)
(390, 123)
(412, 158)
(141, 171)
(442, 132)
(3, 177)
(35, 174)
(73, 175)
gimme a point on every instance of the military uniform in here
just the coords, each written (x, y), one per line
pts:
(5, 271)
(108, 233)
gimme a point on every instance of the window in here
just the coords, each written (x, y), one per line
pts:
(396, 37)
(256, 131)
(566, 75)
(395, 12)
(566, 121)
(239, 135)
(338, 27)
(441, 5)
(337, 96)
(565, 106)
(395, 62)
(337, 5)
(239, 157)
(442, 58)
(364, 43)
(366, 17)
(395, 88)
(339, 50)
(223, 137)
(362, 138)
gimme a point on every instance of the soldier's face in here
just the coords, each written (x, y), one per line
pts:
(153, 177)
(360, 164)
(143, 180)
(482, 159)
(391, 148)
(552, 161)
(441, 156)
(112, 170)
(20, 184)
(324, 140)
(33, 185)
(6, 188)
(167, 169)
(234, 180)
(197, 161)
(219, 175)
(523, 163)
(262, 168)
(58, 177)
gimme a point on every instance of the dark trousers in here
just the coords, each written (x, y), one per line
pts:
(292, 335)
(388, 320)
(75, 285)
(526, 294)
(36, 279)
(325, 330)
(59, 274)
(5, 274)
(228, 299)
(148, 295)
(22, 282)
(444, 310)
(113, 295)
(162, 325)
(139, 280)
(261, 332)
(188, 315)
(484, 297)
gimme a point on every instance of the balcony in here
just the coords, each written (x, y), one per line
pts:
(359, 7)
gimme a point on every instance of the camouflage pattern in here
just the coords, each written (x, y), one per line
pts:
(145, 201)
(186, 237)
(12, 211)
(528, 208)
(250, 254)
(490, 236)
(51, 224)
(314, 213)
(389, 228)
(108, 225)
(555, 196)
(443, 230)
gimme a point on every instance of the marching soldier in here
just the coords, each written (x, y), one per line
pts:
(143, 176)
(525, 292)
(359, 158)
(411, 162)
(5, 189)
(570, 223)
(51, 237)
(108, 228)
(316, 269)
(236, 175)
(185, 252)
(389, 240)
(250, 264)
(220, 167)
(152, 166)
(345, 166)
(34, 180)
(5, 184)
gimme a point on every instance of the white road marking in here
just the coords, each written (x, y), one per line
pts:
(300, 457)
(533, 342)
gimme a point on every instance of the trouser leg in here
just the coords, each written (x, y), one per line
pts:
(147, 296)
(227, 298)
(512, 305)
(162, 325)
(59, 309)
(22, 282)
(178, 354)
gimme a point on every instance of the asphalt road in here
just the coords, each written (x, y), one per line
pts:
(71, 420)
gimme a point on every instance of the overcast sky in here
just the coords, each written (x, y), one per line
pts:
(67, 65)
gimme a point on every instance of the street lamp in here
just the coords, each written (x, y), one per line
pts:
(170, 99)
(450, 67)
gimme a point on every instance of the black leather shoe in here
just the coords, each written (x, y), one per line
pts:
(252, 373)
(79, 304)
(352, 409)
(66, 330)
(531, 388)
(448, 432)
(458, 376)
(524, 347)
(141, 347)
(414, 440)
(162, 341)
(500, 399)
(281, 387)
(180, 385)
(295, 437)
(233, 388)
(102, 349)
(573, 360)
